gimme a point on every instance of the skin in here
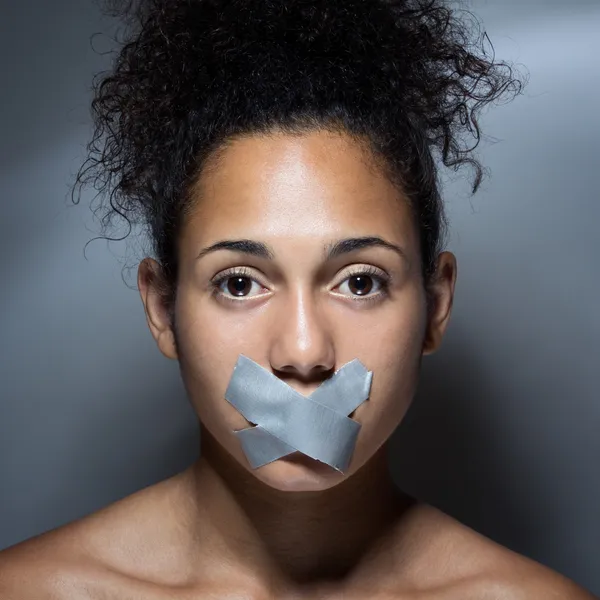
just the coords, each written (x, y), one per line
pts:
(294, 528)
(300, 320)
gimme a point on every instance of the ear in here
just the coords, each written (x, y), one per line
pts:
(442, 297)
(152, 291)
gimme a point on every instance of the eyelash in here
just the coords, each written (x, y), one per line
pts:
(358, 271)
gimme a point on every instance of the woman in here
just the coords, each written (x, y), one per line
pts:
(281, 156)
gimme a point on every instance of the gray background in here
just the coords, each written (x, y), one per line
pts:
(504, 433)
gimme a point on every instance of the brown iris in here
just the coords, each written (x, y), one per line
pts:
(360, 285)
(238, 286)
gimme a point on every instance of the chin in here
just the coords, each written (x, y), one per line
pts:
(299, 473)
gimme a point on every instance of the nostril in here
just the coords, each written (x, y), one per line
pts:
(308, 382)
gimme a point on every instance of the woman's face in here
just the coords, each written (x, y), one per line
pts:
(297, 312)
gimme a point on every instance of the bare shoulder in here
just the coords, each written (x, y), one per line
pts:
(34, 569)
(139, 539)
(465, 564)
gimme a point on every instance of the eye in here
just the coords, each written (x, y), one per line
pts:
(236, 284)
(366, 282)
(360, 285)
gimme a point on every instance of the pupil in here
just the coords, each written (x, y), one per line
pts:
(237, 286)
(360, 285)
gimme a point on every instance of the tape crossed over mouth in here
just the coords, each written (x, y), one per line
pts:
(286, 421)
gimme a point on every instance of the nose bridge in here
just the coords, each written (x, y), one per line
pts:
(302, 340)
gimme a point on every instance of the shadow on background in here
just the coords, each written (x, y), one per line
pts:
(446, 453)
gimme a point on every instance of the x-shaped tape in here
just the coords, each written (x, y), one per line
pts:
(286, 421)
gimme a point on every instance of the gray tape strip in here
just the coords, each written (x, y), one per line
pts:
(286, 421)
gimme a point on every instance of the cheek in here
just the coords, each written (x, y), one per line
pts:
(209, 341)
(209, 346)
(392, 338)
(392, 345)
(204, 350)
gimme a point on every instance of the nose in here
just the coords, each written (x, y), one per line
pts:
(302, 344)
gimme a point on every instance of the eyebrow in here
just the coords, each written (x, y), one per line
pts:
(333, 250)
(246, 246)
(352, 244)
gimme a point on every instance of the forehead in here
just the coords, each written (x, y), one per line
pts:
(278, 186)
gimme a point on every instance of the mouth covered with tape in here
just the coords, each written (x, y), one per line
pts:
(286, 421)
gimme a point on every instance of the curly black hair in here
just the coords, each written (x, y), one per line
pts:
(408, 78)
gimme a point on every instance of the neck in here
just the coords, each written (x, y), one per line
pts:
(296, 538)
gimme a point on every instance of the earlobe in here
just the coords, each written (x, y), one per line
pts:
(429, 346)
(432, 340)
(152, 293)
(166, 344)
(442, 297)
